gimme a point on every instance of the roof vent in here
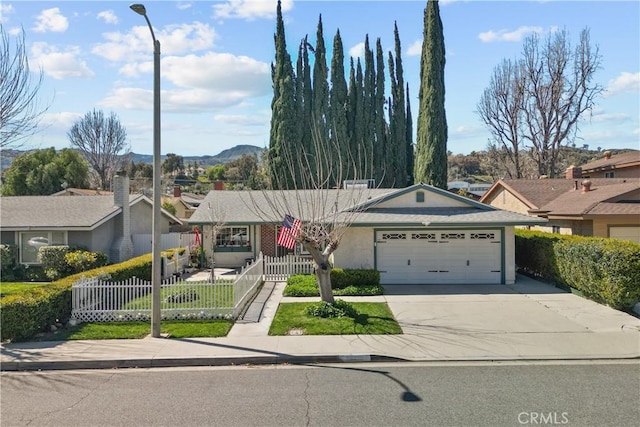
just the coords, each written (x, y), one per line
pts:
(607, 154)
(586, 186)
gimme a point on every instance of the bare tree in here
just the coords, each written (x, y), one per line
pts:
(102, 141)
(557, 90)
(500, 108)
(318, 200)
(20, 112)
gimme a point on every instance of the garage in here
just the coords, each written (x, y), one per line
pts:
(439, 256)
(625, 233)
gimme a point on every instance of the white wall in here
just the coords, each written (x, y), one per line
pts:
(356, 249)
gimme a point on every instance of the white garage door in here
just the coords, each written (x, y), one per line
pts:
(625, 233)
(439, 257)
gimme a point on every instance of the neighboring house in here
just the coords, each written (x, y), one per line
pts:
(419, 234)
(98, 223)
(625, 165)
(475, 191)
(185, 203)
(601, 207)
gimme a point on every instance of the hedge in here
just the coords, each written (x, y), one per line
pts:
(604, 270)
(25, 314)
(343, 282)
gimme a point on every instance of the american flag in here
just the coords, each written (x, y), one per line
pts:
(289, 232)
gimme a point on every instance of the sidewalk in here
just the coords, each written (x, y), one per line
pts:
(527, 321)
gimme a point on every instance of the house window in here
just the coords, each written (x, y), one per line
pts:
(555, 229)
(609, 174)
(31, 241)
(420, 196)
(233, 238)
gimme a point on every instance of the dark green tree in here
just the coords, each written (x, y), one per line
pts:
(384, 164)
(409, 142)
(397, 116)
(283, 134)
(338, 132)
(431, 159)
(173, 163)
(368, 110)
(320, 110)
(44, 172)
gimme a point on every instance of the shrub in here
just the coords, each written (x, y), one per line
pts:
(8, 262)
(342, 278)
(356, 282)
(604, 270)
(339, 308)
(81, 260)
(52, 259)
(25, 314)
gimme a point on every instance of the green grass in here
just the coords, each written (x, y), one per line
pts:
(311, 290)
(372, 319)
(214, 295)
(135, 330)
(11, 288)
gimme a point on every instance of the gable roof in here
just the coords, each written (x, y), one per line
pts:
(70, 213)
(536, 193)
(577, 202)
(624, 160)
(255, 207)
(82, 192)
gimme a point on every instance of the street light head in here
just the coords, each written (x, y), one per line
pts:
(139, 9)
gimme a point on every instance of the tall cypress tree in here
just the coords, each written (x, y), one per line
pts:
(352, 98)
(384, 165)
(409, 142)
(368, 112)
(360, 142)
(320, 107)
(283, 132)
(397, 116)
(338, 132)
(431, 161)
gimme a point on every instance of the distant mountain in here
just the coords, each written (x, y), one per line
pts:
(7, 156)
(224, 156)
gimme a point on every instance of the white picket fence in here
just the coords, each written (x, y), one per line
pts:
(99, 300)
(279, 268)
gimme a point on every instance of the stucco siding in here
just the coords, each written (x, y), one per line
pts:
(356, 249)
(509, 256)
(504, 199)
(601, 225)
(431, 199)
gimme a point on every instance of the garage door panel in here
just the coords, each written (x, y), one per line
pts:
(439, 257)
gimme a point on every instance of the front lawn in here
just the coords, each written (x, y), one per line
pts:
(135, 330)
(372, 319)
(187, 296)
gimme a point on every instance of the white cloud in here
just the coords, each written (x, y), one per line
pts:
(183, 6)
(249, 9)
(612, 118)
(357, 51)
(415, 49)
(51, 20)
(108, 16)
(5, 11)
(60, 64)
(228, 81)
(62, 120)
(625, 83)
(511, 36)
(467, 131)
(174, 39)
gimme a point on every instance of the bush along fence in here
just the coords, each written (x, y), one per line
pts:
(604, 270)
(101, 300)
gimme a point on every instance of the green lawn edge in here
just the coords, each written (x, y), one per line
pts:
(374, 318)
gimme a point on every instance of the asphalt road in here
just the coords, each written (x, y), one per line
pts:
(407, 394)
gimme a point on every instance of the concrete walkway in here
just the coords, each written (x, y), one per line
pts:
(527, 321)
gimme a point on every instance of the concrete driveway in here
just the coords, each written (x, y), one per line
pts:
(530, 319)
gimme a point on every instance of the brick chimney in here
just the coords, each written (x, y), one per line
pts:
(176, 191)
(122, 246)
(573, 172)
(218, 185)
(586, 186)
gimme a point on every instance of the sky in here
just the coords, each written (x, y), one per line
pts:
(216, 57)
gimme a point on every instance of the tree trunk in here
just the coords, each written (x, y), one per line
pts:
(324, 283)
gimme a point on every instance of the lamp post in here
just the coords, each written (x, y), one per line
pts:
(155, 239)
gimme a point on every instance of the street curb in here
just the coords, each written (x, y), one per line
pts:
(191, 361)
(262, 360)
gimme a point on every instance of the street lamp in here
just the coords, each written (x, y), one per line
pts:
(155, 238)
